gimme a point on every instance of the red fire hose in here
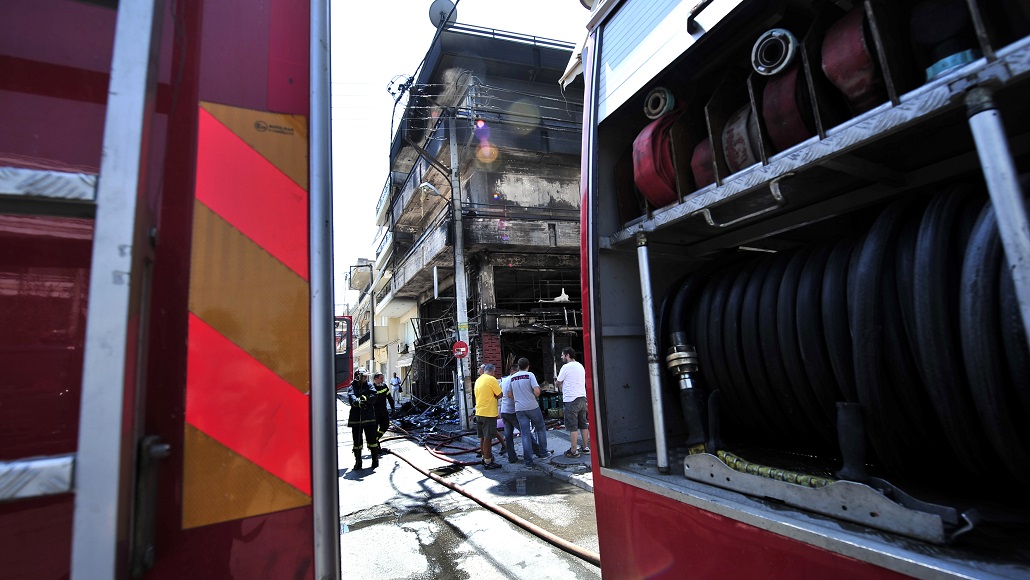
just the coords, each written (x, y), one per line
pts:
(653, 169)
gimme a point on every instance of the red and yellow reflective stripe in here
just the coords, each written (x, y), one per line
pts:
(247, 445)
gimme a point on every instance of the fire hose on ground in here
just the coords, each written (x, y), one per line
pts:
(561, 543)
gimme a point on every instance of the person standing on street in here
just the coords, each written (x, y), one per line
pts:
(395, 386)
(487, 391)
(572, 380)
(382, 416)
(524, 391)
(508, 415)
(362, 419)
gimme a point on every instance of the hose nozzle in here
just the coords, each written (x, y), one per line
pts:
(682, 361)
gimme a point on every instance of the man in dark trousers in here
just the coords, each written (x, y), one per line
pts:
(382, 416)
(362, 420)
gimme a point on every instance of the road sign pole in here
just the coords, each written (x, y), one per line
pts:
(460, 290)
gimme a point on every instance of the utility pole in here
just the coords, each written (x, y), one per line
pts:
(460, 289)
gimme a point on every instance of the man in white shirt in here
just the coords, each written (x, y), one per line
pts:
(572, 380)
(395, 386)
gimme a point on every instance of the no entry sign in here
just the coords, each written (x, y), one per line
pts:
(461, 349)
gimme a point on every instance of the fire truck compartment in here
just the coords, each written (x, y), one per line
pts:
(847, 359)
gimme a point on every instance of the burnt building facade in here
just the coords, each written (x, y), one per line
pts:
(485, 120)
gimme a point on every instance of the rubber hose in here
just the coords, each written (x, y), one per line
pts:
(883, 422)
(923, 438)
(979, 314)
(700, 320)
(1014, 338)
(686, 293)
(563, 544)
(751, 345)
(790, 352)
(937, 277)
(691, 401)
(770, 343)
(1013, 334)
(731, 349)
(737, 409)
(836, 325)
(900, 338)
(811, 339)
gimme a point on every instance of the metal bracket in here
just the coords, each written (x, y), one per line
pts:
(844, 500)
(35, 476)
(151, 451)
(774, 191)
(692, 26)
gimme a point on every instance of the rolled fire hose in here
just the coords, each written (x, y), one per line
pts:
(654, 171)
(702, 163)
(740, 140)
(784, 104)
(849, 63)
(786, 92)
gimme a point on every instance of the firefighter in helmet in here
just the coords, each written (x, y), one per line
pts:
(361, 397)
(382, 397)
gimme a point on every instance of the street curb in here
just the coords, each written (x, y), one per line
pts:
(571, 478)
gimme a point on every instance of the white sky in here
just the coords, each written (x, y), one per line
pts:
(372, 42)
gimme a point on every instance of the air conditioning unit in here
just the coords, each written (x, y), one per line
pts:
(402, 348)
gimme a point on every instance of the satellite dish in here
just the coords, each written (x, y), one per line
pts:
(442, 13)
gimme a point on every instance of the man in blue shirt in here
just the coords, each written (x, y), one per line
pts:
(524, 390)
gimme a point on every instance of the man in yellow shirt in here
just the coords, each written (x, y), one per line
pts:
(487, 391)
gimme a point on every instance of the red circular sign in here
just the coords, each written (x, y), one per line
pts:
(461, 349)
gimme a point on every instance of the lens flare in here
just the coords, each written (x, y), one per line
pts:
(482, 131)
(487, 153)
(524, 116)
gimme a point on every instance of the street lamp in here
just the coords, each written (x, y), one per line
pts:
(372, 315)
(460, 290)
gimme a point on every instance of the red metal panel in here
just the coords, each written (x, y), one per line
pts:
(650, 536)
(234, 70)
(44, 276)
(245, 406)
(271, 546)
(288, 71)
(54, 83)
(250, 193)
(220, 53)
(36, 537)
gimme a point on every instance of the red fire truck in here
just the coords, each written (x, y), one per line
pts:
(818, 203)
(166, 398)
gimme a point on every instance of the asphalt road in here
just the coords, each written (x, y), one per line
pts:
(397, 523)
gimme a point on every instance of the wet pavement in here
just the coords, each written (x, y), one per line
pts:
(396, 523)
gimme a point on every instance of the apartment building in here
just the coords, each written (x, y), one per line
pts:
(486, 121)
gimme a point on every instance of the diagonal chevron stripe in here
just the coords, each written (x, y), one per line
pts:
(246, 407)
(250, 297)
(247, 447)
(273, 135)
(249, 192)
(220, 485)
